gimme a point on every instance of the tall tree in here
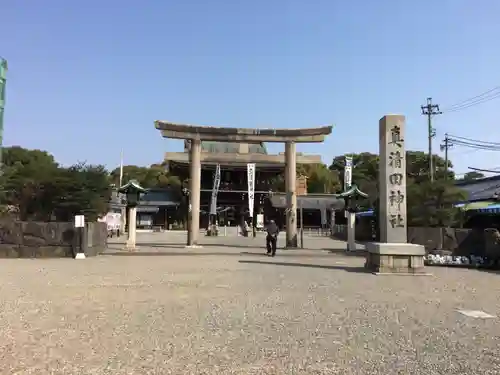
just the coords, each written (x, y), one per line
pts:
(81, 189)
(364, 174)
(41, 190)
(154, 176)
(320, 179)
(25, 173)
(432, 204)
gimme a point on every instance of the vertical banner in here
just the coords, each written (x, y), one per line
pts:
(251, 186)
(215, 191)
(347, 175)
(324, 220)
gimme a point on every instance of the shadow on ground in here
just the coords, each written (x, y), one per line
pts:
(178, 245)
(342, 251)
(286, 253)
(331, 267)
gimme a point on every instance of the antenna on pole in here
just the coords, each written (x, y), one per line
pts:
(121, 169)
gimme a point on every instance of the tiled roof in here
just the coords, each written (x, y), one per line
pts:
(480, 189)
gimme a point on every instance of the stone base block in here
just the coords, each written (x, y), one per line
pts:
(193, 246)
(395, 258)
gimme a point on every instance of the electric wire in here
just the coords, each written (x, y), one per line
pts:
(484, 97)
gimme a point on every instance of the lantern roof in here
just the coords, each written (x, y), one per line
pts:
(352, 192)
(132, 187)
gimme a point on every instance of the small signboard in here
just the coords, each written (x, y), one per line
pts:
(79, 221)
(260, 221)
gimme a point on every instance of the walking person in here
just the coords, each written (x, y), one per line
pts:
(272, 238)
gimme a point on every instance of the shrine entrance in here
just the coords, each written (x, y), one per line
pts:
(196, 157)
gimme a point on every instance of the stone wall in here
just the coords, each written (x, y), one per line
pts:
(48, 240)
(461, 242)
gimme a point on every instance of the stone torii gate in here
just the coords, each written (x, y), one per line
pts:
(196, 134)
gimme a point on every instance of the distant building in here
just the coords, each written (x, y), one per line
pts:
(232, 198)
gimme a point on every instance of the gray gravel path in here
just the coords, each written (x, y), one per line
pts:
(238, 312)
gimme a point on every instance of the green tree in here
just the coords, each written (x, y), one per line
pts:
(364, 175)
(417, 167)
(154, 176)
(432, 204)
(320, 179)
(471, 176)
(419, 188)
(40, 189)
(81, 189)
(25, 174)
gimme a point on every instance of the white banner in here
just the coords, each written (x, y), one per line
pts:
(324, 220)
(348, 173)
(251, 186)
(260, 221)
(215, 191)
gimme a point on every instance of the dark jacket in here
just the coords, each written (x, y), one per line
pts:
(272, 229)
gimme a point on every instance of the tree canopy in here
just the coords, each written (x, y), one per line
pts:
(472, 175)
(37, 188)
(320, 179)
(154, 176)
(428, 203)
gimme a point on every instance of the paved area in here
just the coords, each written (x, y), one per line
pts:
(226, 309)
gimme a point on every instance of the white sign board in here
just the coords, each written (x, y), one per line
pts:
(251, 186)
(260, 221)
(79, 221)
(215, 191)
(347, 175)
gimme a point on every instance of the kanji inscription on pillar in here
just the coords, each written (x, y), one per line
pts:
(392, 179)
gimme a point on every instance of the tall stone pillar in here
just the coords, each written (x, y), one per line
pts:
(392, 180)
(393, 254)
(291, 195)
(132, 228)
(194, 191)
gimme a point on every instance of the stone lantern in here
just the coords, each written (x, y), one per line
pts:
(351, 198)
(132, 191)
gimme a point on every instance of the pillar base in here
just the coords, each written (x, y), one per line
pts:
(395, 259)
(130, 246)
(292, 243)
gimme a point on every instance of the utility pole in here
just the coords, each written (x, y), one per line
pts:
(445, 146)
(430, 110)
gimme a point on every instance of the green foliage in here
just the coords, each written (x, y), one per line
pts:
(429, 204)
(154, 176)
(39, 189)
(470, 176)
(82, 189)
(319, 179)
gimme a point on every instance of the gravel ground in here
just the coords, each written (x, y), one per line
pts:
(238, 312)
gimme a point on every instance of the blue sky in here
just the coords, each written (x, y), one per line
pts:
(87, 78)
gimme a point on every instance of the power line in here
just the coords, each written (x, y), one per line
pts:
(484, 170)
(430, 110)
(472, 145)
(473, 140)
(475, 100)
